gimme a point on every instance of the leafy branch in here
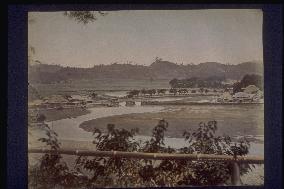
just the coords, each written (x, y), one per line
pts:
(84, 17)
(93, 172)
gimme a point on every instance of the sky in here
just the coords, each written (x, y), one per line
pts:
(228, 36)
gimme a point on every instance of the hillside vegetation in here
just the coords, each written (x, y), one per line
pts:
(44, 73)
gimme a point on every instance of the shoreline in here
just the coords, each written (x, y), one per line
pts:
(183, 118)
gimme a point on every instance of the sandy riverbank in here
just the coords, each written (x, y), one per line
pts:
(232, 120)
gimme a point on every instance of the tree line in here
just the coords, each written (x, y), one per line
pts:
(247, 80)
(150, 92)
(173, 91)
(196, 82)
(217, 82)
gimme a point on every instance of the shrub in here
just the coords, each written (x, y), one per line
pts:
(127, 172)
(40, 117)
(52, 171)
(112, 171)
(204, 141)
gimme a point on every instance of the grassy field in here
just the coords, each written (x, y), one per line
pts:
(232, 120)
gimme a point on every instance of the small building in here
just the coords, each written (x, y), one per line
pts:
(242, 97)
(114, 99)
(113, 102)
(130, 103)
(149, 102)
(55, 101)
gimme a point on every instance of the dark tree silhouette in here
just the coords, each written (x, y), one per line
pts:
(247, 80)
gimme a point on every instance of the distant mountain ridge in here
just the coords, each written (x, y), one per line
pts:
(160, 69)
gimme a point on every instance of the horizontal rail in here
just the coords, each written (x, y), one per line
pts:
(146, 103)
(158, 156)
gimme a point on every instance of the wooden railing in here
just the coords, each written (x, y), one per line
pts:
(235, 161)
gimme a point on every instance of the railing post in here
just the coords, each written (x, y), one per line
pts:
(235, 174)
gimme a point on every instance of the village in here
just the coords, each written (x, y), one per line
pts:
(250, 94)
(79, 104)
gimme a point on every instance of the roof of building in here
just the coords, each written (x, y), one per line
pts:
(56, 99)
(241, 95)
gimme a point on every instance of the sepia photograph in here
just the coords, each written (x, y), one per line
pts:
(145, 98)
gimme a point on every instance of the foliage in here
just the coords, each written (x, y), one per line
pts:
(182, 91)
(52, 171)
(115, 139)
(134, 93)
(40, 117)
(157, 59)
(161, 91)
(247, 80)
(84, 17)
(157, 174)
(158, 71)
(193, 82)
(104, 170)
(129, 96)
(173, 90)
(156, 143)
(127, 172)
(151, 91)
(204, 141)
(144, 92)
(93, 95)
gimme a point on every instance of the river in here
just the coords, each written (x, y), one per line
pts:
(68, 129)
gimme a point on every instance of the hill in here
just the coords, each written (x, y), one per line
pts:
(160, 69)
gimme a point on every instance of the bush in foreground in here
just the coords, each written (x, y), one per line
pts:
(92, 172)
